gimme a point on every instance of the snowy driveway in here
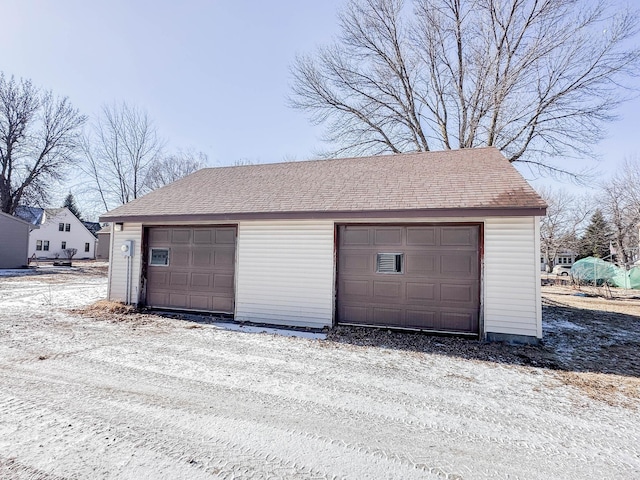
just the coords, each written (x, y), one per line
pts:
(152, 397)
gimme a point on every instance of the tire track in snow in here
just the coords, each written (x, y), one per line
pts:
(221, 459)
(351, 420)
(507, 425)
(511, 425)
(142, 400)
(11, 469)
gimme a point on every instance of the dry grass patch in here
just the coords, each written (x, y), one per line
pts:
(117, 312)
(614, 390)
(107, 307)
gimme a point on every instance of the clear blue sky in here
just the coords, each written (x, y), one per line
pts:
(214, 75)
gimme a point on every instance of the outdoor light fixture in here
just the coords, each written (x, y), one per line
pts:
(118, 227)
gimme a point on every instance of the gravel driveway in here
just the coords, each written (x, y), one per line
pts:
(117, 395)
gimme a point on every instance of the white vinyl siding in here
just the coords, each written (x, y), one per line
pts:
(285, 273)
(118, 264)
(512, 276)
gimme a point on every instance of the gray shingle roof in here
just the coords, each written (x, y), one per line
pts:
(36, 215)
(471, 179)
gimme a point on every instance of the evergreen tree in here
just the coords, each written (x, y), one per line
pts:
(596, 238)
(70, 203)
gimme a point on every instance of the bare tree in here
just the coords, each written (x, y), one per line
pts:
(559, 229)
(120, 149)
(620, 202)
(241, 162)
(70, 252)
(535, 78)
(173, 167)
(39, 136)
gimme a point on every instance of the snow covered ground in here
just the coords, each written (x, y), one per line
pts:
(144, 396)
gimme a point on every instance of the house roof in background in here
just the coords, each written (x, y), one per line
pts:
(32, 215)
(451, 182)
(37, 215)
(93, 227)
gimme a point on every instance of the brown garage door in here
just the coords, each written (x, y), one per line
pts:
(191, 268)
(420, 277)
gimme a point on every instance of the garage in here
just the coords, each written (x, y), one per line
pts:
(424, 277)
(445, 241)
(191, 268)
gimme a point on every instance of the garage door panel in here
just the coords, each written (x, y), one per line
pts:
(203, 236)
(221, 304)
(225, 236)
(459, 265)
(458, 236)
(179, 279)
(388, 236)
(436, 287)
(421, 319)
(420, 292)
(179, 257)
(459, 321)
(199, 302)
(200, 280)
(222, 282)
(358, 263)
(179, 235)
(389, 289)
(354, 314)
(388, 316)
(355, 288)
(202, 257)
(201, 269)
(178, 300)
(421, 236)
(158, 277)
(160, 236)
(155, 298)
(457, 293)
(421, 264)
(224, 257)
(355, 236)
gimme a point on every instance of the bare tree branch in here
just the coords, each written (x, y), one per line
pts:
(120, 149)
(538, 79)
(560, 228)
(173, 167)
(39, 137)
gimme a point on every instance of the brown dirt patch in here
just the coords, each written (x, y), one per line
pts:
(614, 390)
(115, 312)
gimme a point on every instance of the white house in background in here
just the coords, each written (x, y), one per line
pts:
(436, 241)
(563, 257)
(59, 230)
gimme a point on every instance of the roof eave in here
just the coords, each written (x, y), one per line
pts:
(530, 211)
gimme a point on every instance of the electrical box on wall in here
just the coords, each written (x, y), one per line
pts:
(127, 248)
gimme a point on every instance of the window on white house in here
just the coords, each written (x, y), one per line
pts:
(61, 227)
(64, 245)
(86, 247)
(45, 245)
(67, 227)
(38, 244)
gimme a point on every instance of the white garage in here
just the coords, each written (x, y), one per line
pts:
(436, 241)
